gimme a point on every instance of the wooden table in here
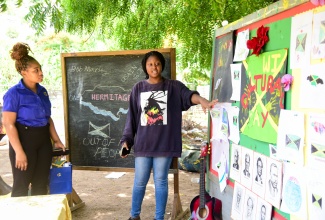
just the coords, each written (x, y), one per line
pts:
(49, 207)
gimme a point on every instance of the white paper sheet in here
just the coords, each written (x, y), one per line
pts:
(300, 42)
(223, 171)
(294, 190)
(316, 140)
(264, 209)
(312, 86)
(318, 39)
(250, 205)
(274, 182)
(233, 119)
(241, 50)
(291, 133)
(235, 167)
(236, 73)
(259, 174)
(114, 175)
(219, 120)
(316, 193)
(238, 201)
(246, 173)
(219, 159)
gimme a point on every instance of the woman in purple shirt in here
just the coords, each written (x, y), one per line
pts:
(27, 119)
(153, 129)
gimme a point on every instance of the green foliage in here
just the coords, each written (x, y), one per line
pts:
(187, 25)
(39, 11)
(47, 51)
(4, 6)
(8, 75)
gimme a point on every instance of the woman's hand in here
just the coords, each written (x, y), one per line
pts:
(205, 104)
(58, 144)
(124, 146)
(21, 161)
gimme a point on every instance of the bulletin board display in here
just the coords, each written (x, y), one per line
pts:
(262, 96)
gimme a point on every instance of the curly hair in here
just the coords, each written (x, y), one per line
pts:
(149, 54)
(19, 53)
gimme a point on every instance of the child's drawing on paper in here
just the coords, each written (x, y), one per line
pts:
(291, 136)
(250, 204)
(235, 162)
(264, 209)
(294, 199)
(316, 194)
(312, 86)
(246, 167)
(316, 140)
(238, 201)
(236, 71)
(301, 31)
(274, 182)
(233, 119)
(259, 174)
(241, 50)
(318, 40)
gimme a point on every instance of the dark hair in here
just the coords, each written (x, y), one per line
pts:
(19, 52)
(259, 159)
(149, 54)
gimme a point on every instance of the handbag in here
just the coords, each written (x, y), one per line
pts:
(60, 180)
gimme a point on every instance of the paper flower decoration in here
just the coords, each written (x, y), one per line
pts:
(256, 43)
(286, 81)
(318, 2)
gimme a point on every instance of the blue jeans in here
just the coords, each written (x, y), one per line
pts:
(160, 166)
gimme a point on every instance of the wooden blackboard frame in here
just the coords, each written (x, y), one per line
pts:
(74, 200)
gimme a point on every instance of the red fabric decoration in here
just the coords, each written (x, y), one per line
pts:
(256, 43)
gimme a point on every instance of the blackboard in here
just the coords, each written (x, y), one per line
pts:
(223, 56)
(96, 88)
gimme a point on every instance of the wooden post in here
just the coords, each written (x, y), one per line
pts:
(177, 205)
(74, 201)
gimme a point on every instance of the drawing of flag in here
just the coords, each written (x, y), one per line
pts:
(236, 75)
(292, 141)
(301, 42)
(317, 201)
(318, 150)
(215, 113)
(314, 80)
(273, 151)
(235, 120)
(103, 131)
(322, 32)
(224, 129)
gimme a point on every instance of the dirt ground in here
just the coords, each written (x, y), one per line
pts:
(110, 198)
